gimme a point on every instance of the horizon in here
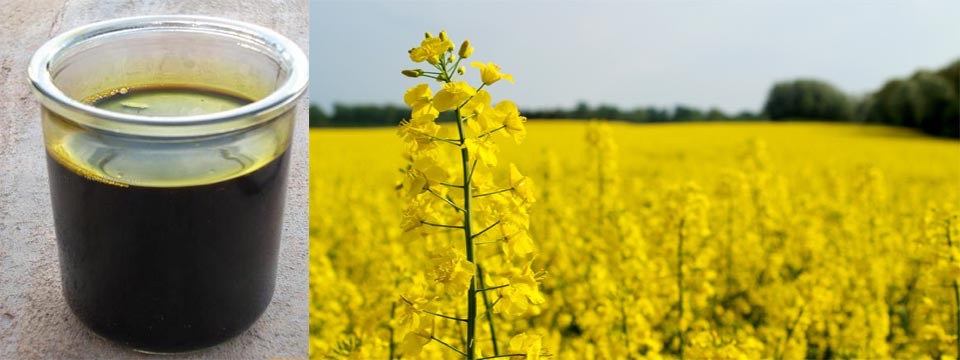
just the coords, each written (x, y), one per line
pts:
(680, 49)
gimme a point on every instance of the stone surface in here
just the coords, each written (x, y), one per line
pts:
(35, 322)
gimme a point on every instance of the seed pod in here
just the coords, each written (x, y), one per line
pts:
(412, 73)
(465, 49)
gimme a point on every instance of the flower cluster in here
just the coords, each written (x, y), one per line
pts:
(452, 188)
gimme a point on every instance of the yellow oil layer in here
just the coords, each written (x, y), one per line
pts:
(167, 100)
(123, 161)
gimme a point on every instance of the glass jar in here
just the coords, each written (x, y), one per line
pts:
(167, 141)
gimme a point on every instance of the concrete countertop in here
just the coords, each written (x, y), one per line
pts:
(35, 322)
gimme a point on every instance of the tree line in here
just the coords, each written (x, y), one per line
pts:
(927, 100)
(390, 115)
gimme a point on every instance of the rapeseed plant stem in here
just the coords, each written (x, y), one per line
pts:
(472, 168)
(444, 316)
(790, 330)
(393, 310)
(468, 171)
(486, 229)
(489, 242)
(502, 356)
(486, 304)
(956, 288)
(448, 201)
(492, 131)
(493, 193)
(493, 288)
(442, 225)
(680, 284)
(434, 338)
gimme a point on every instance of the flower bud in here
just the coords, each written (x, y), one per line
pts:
(443, 35)
(462, 70)
(412, 73)
(465, 49)
(427, 35)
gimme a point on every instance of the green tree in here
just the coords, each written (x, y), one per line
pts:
(807, 99)
(318, 117)
(715, 114)
(928, 101)
(686, 113)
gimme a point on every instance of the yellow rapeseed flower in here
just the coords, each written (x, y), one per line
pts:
(490, 73)
(512, 121)
(529, 345)
(418, 133)
(482, 149)
(452, 95)
(452, 271)
(432, 169)
(517, 241)
(415, 340)
(474, 109)
(522, 292)
(414, 300)
(420, 99)
(430, 50)
(413, 216)
(522, 185)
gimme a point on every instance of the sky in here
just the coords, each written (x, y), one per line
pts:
(711, 53)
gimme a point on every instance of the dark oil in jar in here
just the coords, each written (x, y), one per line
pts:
(168, 268)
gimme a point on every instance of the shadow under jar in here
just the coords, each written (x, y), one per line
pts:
(167, 143)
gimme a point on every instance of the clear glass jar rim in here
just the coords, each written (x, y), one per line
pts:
(278, 101)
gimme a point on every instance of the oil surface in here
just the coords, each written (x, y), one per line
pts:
(171, 268)
(166, 101)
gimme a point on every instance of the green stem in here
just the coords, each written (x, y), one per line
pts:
(472, 168)
(442, 225)
(493, 288)
(486, 303)
(623, 326)
(468, 100)
(956, 289)
(468, 239)
(680, 283)
(492, 131)
(468, 117)
(434, 338)
(456, 65)
(435, 138)
(444, 316)
(393, 310)
(790, 329)
(448, 201)
(502, 356)
(489, 242)
(493, 193)
(486, 229)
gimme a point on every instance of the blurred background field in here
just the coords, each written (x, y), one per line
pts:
(821, 240)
